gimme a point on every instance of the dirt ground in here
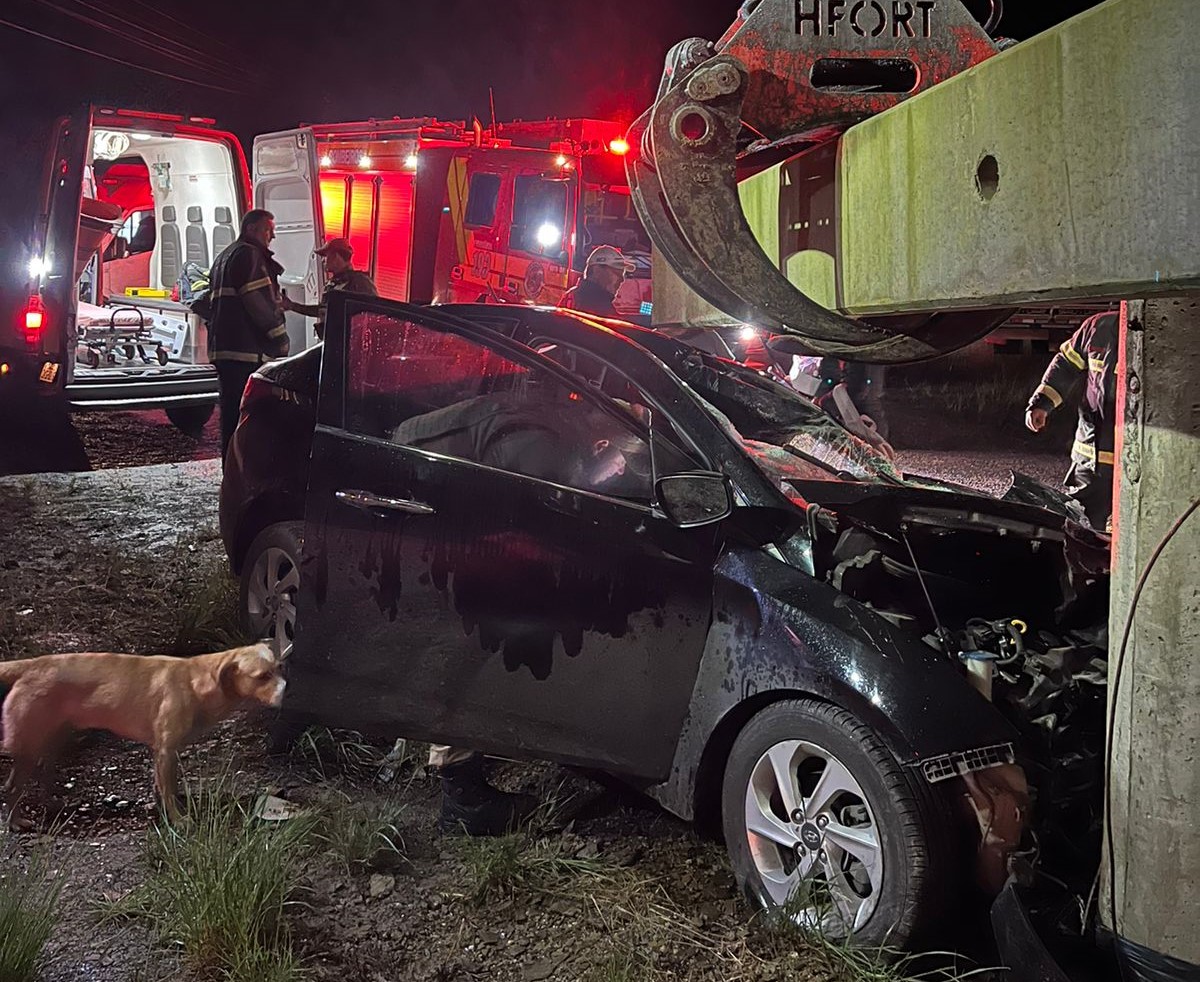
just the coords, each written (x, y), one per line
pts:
(104, 555)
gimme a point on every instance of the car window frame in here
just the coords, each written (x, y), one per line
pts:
(334, 381)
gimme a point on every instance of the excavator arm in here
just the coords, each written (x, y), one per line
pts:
(790, 74)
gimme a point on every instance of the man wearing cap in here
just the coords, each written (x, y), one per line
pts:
(336, 255)
(605, 270)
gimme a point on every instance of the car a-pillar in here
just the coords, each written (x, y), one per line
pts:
(1154, 796)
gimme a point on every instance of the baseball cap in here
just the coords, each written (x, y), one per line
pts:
(342, 246)
(611, 257)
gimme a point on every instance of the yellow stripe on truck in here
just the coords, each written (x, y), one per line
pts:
(456, 191)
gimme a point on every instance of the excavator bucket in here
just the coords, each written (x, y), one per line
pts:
(790, 73)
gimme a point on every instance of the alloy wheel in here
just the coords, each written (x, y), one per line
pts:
(271, 598)
(813, 838)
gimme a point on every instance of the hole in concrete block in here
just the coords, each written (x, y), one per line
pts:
(987, 177)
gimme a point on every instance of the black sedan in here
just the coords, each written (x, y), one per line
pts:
(537, 534)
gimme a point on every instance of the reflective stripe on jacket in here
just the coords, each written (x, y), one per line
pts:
(247, 324)
(1092, 352)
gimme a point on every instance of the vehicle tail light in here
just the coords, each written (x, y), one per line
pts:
(257, 389)
(33, 318)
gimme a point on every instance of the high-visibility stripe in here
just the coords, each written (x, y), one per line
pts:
(235, 356)
(255, 285)
(1073, 356)
(1051, 393)
(277, 331)
(1097, 364)
(225, 291)
(1088, 451)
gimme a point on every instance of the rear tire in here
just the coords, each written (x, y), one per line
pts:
(190, 419)
(270, 584)
(869, 856)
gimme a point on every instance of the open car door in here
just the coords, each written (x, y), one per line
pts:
(286, 184)
(514, 591)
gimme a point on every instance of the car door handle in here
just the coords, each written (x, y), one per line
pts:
(368, 502)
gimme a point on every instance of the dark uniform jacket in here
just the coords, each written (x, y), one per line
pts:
(1090, 353)
(590, 297)
(247, 324)
(350, 281)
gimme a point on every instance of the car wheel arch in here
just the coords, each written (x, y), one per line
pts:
(263, 512)
(710, 771)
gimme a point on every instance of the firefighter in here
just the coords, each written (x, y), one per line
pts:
(336, 255)
(246, 327)
(602, 277)
(1092, 352)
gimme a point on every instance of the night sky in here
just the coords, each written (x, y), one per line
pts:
(349, 61)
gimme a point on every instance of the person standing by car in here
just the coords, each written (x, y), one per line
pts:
(246, 326)
(1091, 350)
(337, 255)
(602, 277)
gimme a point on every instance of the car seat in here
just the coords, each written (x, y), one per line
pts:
(197, 240)
(170, 251)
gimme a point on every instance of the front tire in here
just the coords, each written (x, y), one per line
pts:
(270, 584)
(824, 826)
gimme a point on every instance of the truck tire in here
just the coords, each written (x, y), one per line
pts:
(190, 419)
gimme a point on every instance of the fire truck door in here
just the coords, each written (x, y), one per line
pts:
(286, 184)
(539, 234)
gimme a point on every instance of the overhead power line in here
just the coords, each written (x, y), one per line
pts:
(200, 57)
(119, 61)
(186, 61)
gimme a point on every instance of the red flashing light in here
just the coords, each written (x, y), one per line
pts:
(619, 146)
(34, 318)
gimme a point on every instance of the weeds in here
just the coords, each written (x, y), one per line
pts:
(360, 834)
(210, 620)
(28, 913)
(328, 753)
(500, 867)
(219, 887)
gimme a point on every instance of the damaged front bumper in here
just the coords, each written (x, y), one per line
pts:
(996, 796)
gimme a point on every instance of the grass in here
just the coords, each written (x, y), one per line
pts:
(219, 888)
(337, 753)
(360, 834)
(209, 620)
(28, 912)
(498, 868)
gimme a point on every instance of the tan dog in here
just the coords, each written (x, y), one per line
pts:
(161, 701)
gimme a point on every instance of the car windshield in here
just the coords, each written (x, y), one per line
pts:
(788, 436)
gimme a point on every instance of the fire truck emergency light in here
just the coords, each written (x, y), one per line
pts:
(619, 146)
(411, 161)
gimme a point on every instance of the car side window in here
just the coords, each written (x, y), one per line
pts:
(443, 393)
(670, 455)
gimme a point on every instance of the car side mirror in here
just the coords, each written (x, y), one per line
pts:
(694, 499)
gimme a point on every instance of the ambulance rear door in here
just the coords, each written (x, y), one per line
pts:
(286, 184)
